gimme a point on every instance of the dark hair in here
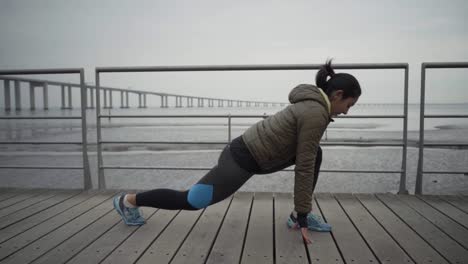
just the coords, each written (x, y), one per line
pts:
(337, 81)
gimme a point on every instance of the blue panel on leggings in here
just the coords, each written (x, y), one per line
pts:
(200, 195)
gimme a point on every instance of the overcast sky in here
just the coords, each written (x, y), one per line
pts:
(89, 34)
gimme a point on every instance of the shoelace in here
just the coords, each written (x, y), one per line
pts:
(316, 218)
(134, 213)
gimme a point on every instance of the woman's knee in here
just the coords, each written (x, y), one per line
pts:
(200, 195)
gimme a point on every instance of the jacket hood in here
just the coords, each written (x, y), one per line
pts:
(304, 92)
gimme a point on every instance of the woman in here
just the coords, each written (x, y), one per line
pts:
(289, 137)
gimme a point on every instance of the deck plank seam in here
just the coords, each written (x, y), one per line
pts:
(331, 232)
(38, 212)
(385, 229)
(246, 229)
(143, 252)
(417, 233)
(434, 224)
(357, 229)
(453, 204)
(44, 220)
(217, 231)
(72, 256)
(440, 211)
(46, 234)
(187, 235)
(123, 240)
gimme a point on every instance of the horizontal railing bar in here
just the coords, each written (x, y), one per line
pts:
(445, 144)
(446, 172)
(273, 67)
(40, 71)
(445, 116)
(40, 117)
(209, 168)
(234, 116)
(39, 143)
(41, 167)
(165, 142)
(441, 65)
(225, 142)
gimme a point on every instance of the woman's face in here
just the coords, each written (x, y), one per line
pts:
(340, 105)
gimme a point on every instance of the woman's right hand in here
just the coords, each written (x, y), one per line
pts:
(305, 235)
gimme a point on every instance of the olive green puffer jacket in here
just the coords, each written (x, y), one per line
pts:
(294, 133)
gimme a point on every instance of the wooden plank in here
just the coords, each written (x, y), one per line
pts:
(419, 250)
(259, 240)
(23, 225)
(446, 208)
(59, 235)
(197, 246)
(323, 249)
(20, 215)
(456, 201)
(163, 249)
(69, 248)
(348, 240)
(131, 249)
(228, 245)
(102, 247)
(8, 193)
(383, 246)
(446, 246)
(26, 203)
(19, 198)
(450, 227)
(289, 247)
(16, 243)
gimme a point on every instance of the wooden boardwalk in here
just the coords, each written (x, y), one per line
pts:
(63, 226)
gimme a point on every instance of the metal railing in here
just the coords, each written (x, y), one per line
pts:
(420, 169)
(84, 145)
(99, 70)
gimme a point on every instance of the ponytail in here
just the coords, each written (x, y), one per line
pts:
(339, 81)
(323, 73)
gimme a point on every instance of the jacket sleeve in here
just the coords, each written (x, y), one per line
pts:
(310, 128)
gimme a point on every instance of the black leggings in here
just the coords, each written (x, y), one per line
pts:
(220, 182)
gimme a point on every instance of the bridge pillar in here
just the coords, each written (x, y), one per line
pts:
(6, 90)
(162, 101)
(188, 102)
(45, 97)
(110, 98)
(17, 96)
(91, 100)
(126, 100)
(144, 100)
(62, 96)
(32, 99)
(122, 99)
(70, 106)
(105, 97)
(139, 100)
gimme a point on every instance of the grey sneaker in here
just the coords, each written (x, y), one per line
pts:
(130, 216)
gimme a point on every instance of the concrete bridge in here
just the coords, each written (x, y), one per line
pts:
(107, 92)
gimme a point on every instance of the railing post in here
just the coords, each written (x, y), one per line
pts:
(32, 99)
(403, 189)
(45, 98)
(6, 87)
(229, 128)
(419, 174)
(17, 96)
(70, 106)
(86, 170)
(101, 178)
(62, 96)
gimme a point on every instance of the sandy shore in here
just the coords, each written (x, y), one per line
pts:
(378, 158)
